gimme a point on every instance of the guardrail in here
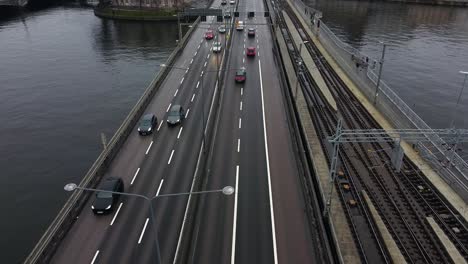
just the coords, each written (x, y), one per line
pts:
(361, 70)
(53, 236)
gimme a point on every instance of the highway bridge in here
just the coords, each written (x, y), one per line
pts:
(18, 3)
(269, 140)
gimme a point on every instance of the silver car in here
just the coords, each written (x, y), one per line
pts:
(217, 47)
(222, 29)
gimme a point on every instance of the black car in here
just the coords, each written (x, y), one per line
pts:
(176, 115)
(105, 202)
(251, 32)
(147, 124)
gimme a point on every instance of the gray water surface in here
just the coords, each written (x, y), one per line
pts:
(65, 77)
(427, 47)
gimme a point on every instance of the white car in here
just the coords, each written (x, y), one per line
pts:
(222, 29)
(232, 2)
(217, 47)
(240, 25)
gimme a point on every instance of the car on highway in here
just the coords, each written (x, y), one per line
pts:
(232, 2)
(223, 2)
(251, 51)
(209, 34)
(241, 75)
(176, 115)
(217, 47)
(227, 14)
(240, 25)
(222, 29)
(105, 201)
(147, 124)
(251, 32)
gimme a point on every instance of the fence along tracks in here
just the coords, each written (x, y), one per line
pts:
(403, 200)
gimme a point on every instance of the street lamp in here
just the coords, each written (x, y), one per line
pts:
(452, 124)
(227, 190)
(380, 72)
(299, 66)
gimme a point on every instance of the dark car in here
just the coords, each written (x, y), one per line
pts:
(105, 202)
(251, 32)
(240, 75)
(147, 124)
(227, 14)
(176, 115)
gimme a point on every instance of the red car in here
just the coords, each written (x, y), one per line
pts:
(241, 75)
(251, 51)
(209, 34)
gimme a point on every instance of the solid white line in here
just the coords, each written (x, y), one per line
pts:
(136, 173)
(240, 122)
(180, 131)
(186, 114)
(176, 92)
(198, 84)
(234, 222)
(193, 96)
(242, 90)
(205, 64)
(116, 213)
(181, 81)
(143, 231)
(273, 229)
(167, 110)
(191, 61)
(240, 108)
(160, 123)
(159, 188)
(170, 158)
(149, 147)
(95, 257)
(238, 145)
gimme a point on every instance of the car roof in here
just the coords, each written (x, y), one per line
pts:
(251, 48)
(252, 29)
(109, 183)
(147, 116)
(175, 108)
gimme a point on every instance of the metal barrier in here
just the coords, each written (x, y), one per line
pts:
(47, 245)
(361, 69)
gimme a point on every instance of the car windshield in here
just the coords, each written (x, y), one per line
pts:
(104, 195)
(174, 113)
(240, 72)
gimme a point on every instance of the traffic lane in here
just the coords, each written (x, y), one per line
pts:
(144, 175)
(214, 224)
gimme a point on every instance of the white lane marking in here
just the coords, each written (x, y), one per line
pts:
(186, 70)
(240, 108)
(242, 90)
(211, 49)
(199, 45)
(234, 222)
(244, 52)
(116, 213)
(198, 84)
(181, 81)
(201, 41)
(167, 110)
(176, 92)
(186, 114)
(180, 131)
(201, 73)
(273, 228)
(143, 231)
(240, 122)
(191, 61)
(170, 158)
(160, 123)
(205, 64)
(95, 257)
(193, 96)
(149, 147)
(209, 54)
(159, 188)
(238, 145)
(257, 40)
(258, 54)
(243, 60)
(136, 173)
(257, 47)
(195, 54)
(244, 45)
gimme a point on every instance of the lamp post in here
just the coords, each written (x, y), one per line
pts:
(299, 67)
(227, 190)
(380, 72)
(452, 124)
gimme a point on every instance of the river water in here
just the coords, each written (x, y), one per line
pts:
(66, 76)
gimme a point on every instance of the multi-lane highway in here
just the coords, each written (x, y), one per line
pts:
(263, 222)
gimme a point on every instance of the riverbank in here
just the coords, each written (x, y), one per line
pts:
(136, 13)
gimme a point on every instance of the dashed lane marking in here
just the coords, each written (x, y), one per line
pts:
(116, 213)
(143, 231)
(134, 176)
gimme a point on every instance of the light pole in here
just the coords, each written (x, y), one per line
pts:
(227, 190)
(452, 124)
(380, 72)
(299, 68)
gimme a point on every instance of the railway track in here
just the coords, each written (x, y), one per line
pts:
(403, 200)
